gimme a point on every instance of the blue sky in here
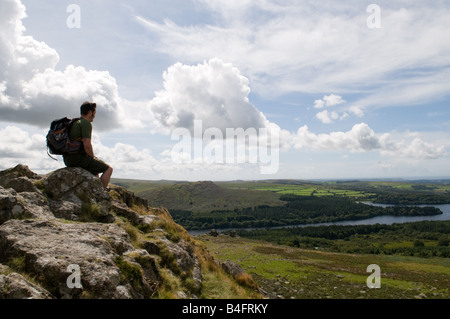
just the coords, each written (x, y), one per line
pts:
(355, 91)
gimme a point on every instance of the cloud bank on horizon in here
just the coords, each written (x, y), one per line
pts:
(246, 50)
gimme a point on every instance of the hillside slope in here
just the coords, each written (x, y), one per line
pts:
(63, 236)
(284, 272)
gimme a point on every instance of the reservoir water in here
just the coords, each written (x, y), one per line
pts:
(386, 220)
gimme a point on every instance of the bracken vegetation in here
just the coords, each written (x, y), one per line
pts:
(297, 273)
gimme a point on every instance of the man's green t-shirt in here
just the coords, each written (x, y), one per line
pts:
(81, 129)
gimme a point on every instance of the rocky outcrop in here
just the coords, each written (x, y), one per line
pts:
(74, 192)
(232, 268)
(46, 249)
(15, 205)
(16, 286)
(77, 240)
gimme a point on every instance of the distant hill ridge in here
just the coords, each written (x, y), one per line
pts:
(206, 196)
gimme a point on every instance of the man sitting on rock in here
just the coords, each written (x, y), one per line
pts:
(82, 130)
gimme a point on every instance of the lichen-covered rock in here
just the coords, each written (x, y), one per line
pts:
(143, 221)
(34, 231)
(128, 198)
(48, 248)
(64, 209)
(8, 177)
(68, 193)
(232, 268)
(84, 192)
(77, 240)
(15, 205)
(20, 197)
(16, 286)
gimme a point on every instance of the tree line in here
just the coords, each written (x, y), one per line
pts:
(422, 239)
(297, 210)
(397, 198)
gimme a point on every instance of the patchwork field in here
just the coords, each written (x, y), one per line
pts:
(299, 189)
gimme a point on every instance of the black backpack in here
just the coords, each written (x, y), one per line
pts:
(58, 139)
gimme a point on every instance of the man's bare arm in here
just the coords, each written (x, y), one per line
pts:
(88, 147)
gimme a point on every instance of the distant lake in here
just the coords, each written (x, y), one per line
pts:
(385, 220)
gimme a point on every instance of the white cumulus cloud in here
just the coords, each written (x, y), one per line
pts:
(327, 117)
(19, 146)
(213, 92)
(362, 138)
(327, 101)
(32, 91)
(332, 100)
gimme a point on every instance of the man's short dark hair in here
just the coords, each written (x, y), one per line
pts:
(86, 107)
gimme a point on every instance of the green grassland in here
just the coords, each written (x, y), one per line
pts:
(317, 262)
(302, 189)
(296, 273)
